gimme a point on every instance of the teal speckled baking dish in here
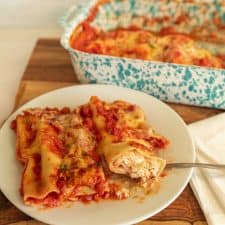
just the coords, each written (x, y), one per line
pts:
(194, 85)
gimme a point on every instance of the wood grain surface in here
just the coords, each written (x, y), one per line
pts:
(50, 68)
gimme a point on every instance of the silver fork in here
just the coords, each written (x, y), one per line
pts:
(188, 165)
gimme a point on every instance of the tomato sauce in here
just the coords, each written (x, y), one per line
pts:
(52, 140)
(37, 166)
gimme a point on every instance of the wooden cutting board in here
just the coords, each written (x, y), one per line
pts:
(50, 68)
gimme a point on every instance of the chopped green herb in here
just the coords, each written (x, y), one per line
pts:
(63, 167)
(150, 45)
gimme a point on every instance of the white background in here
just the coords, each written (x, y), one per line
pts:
(22, 22)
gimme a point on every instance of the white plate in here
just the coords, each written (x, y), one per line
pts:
(163, 119)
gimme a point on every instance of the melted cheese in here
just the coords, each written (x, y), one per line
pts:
(140, 44)
(133, 119)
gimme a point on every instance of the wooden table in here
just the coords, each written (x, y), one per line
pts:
(50, 68)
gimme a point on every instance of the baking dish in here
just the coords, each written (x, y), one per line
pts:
(187, 84)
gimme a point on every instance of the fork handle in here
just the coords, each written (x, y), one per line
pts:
(202, 165)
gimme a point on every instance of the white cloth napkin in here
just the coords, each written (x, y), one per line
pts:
(209, 185)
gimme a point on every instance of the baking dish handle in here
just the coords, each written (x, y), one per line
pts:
(67, 19)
